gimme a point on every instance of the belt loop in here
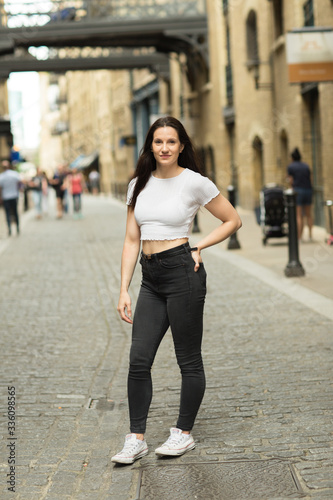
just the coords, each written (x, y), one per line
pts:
(146, 256)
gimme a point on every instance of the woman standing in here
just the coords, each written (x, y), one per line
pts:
(58, 182)
(76, 184)
(163, 198)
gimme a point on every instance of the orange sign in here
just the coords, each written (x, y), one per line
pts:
(310, 56)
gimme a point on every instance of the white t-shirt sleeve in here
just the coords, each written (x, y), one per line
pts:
(204, 190)
(130, 191)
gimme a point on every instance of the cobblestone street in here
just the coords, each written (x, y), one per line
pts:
(268, 359)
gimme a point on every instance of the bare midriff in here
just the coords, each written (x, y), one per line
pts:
(156, 246)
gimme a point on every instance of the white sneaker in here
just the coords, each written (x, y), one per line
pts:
(177, 444)
(133, 449)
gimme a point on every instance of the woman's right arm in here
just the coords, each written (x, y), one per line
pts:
(129, 258)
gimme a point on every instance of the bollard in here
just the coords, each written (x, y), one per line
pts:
(329, 204)
(195, 228)
(26, 200)
(294, 267)
(233, 243)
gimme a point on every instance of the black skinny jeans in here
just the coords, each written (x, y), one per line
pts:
(172, 294)
(77, 202)
(10, 207)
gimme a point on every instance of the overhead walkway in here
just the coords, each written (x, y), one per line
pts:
(157, 62)
(165, 26)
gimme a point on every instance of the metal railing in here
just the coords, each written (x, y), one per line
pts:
(16, 13)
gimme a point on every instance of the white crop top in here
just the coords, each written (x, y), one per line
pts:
(165, 208)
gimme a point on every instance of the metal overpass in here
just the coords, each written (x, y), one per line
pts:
(106, 34)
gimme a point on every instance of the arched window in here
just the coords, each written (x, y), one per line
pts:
(252, 39)
(308, 13)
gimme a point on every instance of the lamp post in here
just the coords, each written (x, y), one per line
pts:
(329, 204)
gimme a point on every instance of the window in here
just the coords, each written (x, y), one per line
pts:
(278, 17)
(308, 13)
(252, 39)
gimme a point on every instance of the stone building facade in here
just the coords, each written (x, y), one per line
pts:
(244, 115)
(264, 116)
(51, 150)
(6, 138)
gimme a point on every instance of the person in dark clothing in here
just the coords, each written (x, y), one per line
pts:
(299, 176)
(10, 184)
(36, 185)
(58, 182)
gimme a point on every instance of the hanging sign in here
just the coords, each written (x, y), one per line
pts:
(310, 55)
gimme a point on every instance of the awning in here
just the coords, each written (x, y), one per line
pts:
(84, 161)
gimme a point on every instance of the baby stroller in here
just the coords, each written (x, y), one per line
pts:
(273, 220)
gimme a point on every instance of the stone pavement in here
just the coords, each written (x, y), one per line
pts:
(64, 353)
(315, 256)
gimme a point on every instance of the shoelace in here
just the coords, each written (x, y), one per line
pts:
(174, 439)
(128, 447)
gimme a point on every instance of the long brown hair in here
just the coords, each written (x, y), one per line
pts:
(147, 163)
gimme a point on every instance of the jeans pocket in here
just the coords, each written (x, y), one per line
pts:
(172, 262)
(202, 275)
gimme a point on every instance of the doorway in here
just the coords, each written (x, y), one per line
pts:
(312, 148)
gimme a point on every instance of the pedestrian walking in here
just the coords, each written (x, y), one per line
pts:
(163, 198)
(45, 193)
(58, 184)
(36, 185)
(65, 201)
(299, 177)
(75, 183)
(94, 181)
(10, 184)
